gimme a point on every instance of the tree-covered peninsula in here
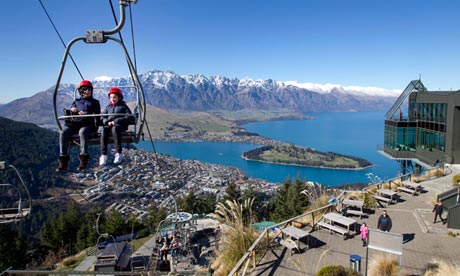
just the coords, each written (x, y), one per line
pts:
(293, 155)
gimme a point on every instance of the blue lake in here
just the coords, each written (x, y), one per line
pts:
(354, 133)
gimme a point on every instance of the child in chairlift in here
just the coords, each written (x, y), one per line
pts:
(115, 123)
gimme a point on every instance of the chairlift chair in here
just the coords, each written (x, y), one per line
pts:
(135, 131)
(18, 200)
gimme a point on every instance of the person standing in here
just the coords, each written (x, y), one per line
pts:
(364, 233)
(384, 223)
(437, 209)
(114, 122)
(85, 105)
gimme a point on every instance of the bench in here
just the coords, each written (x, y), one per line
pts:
(407, 190)
(127, 137)
(355, 212)
(331, 227)
(384, 199)
(289, 244)
(13, 214)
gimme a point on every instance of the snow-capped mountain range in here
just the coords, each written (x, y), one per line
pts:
(170, 91)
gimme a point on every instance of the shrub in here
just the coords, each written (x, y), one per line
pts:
(336, 270)
(455, 180)
(369, 201)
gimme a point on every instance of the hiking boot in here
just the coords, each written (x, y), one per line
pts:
(84, 159)
(63, 163)
(103, 160)
(118, 158)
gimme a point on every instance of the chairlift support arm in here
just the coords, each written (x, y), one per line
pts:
(102, 36)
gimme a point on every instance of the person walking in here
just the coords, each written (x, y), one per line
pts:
(85, 105)
(114, 122)
(437, 210)
(384, 223)
(364, 233)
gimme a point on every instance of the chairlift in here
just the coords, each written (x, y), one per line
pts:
(135, 131)
(17, 200)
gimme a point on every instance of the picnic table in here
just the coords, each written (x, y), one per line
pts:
(296, 233)
(337, 223)
(353, 203)
(413, 186)
(359, 204)
(391, 195)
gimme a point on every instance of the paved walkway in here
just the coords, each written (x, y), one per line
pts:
(424, 241)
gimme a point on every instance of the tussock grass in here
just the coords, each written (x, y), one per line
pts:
(318, 197)
(369, 201)
(71, 261)
(440, 268)
(354, 195)
(237, 233)
(383, 265)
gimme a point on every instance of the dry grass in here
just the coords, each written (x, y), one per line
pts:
(455, 180)
(369, 201)
(440, 268)
(237, 233)
(383, 265)
(436, 172)
(354, 195)
(71, 261)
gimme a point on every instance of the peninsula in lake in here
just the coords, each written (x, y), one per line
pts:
(293, 155)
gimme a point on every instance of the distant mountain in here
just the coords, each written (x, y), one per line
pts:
(170, 91)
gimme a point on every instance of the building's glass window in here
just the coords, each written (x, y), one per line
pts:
(431, 126)
(442, 113)
(411, 138)
(425, 128)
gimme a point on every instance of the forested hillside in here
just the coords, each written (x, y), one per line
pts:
(32, 150)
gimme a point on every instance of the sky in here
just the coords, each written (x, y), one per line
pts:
(369, 43)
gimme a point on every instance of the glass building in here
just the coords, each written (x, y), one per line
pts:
(424, 126)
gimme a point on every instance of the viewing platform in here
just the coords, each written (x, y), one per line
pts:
(412, 217)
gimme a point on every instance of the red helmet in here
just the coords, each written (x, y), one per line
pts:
(85, 83)
(116, 90)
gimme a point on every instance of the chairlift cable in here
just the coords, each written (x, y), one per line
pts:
(121, 37)
(62, 41)
(82, 196)
(132, 36)
(153, 145)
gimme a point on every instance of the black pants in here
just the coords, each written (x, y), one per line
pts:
(116, 131)
(438, 215)
(66, 134)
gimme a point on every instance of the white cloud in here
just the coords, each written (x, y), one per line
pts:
(103, 78)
